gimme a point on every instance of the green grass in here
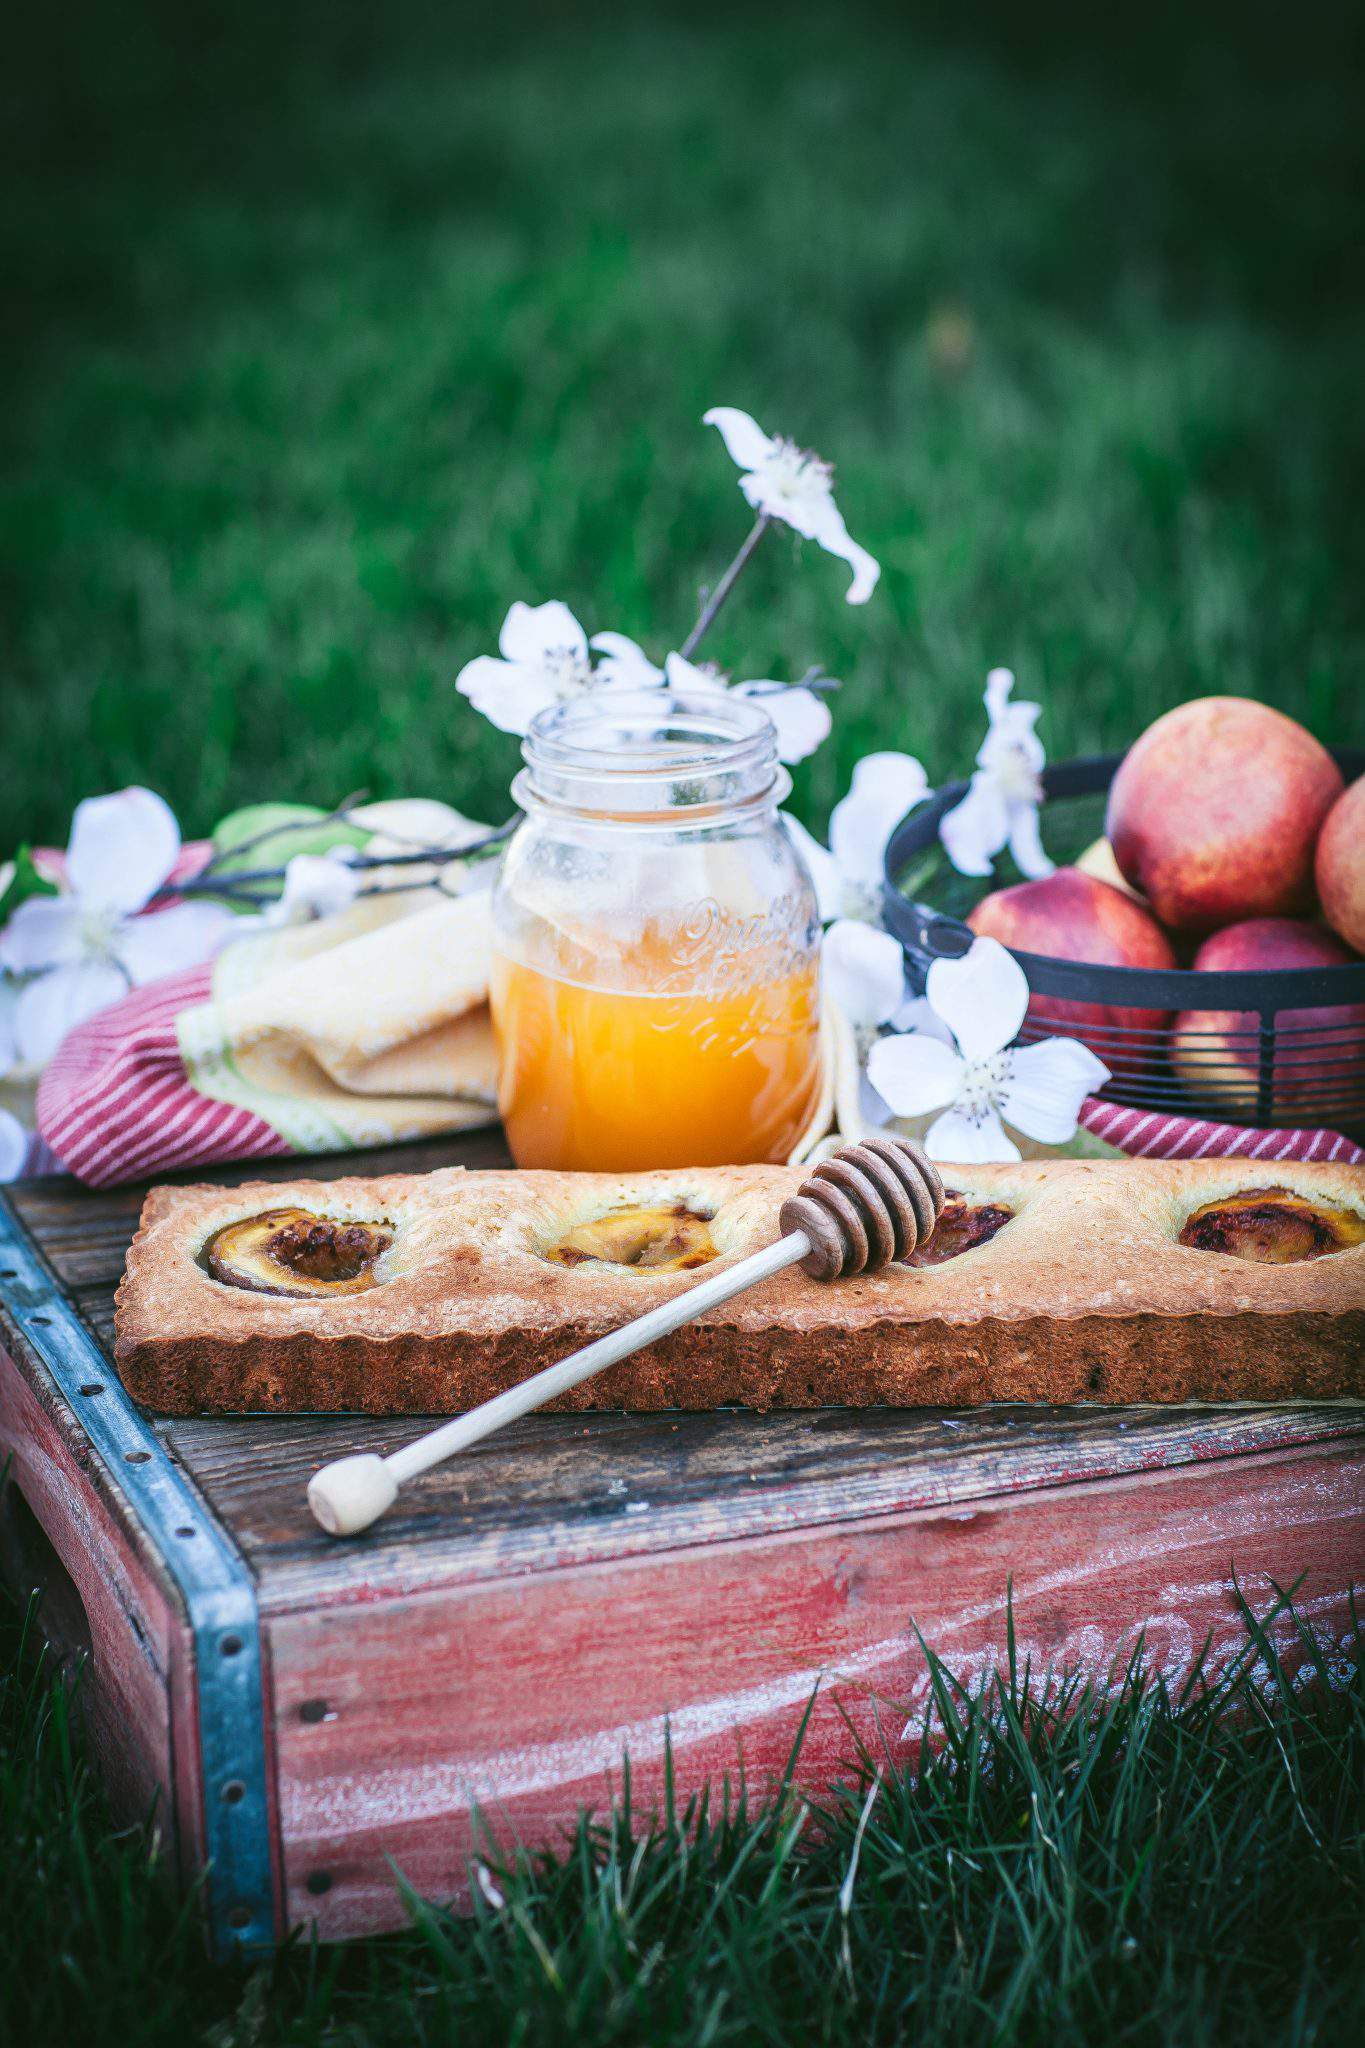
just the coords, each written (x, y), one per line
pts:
(331, 330)
(1068, 1868)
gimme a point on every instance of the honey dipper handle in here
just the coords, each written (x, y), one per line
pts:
(350, 1494)
(865, 1206)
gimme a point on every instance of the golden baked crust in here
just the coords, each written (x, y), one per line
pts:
(1084, 1295)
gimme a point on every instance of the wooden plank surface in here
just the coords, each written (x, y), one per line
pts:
(515, 1700)
(565, 1490)
(583, 1489)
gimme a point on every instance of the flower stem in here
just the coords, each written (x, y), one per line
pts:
(236, 885)
(716, 598)
(296, 825)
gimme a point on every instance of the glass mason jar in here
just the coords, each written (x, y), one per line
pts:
(655, 980)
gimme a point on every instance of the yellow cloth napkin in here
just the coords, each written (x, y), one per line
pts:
(363, 1028)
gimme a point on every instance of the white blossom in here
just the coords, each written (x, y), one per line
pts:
(1001, 806)
(800, 716)
(13, 1136)
(14, 1143)
(848, 874)
(78, 952)
(623, 664)
(315, 885)
(863, 972)
(795, 486)
(977, 1080)
(546, 659)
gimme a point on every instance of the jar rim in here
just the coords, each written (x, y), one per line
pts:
(631, 754)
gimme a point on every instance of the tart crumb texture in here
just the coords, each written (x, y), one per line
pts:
(1049, 1281)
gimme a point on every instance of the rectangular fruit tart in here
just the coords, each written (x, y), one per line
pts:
(1057, 1281)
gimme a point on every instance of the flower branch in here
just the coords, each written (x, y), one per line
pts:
(545, 657)
(714, 599)
(287, 828)
(211, 882)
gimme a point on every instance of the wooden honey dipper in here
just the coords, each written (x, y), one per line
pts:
(862, 1208)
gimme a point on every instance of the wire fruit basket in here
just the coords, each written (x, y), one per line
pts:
(1279, 1048)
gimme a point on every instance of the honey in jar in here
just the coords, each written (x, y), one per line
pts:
(655, 978)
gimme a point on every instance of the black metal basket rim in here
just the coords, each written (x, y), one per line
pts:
(930, 935)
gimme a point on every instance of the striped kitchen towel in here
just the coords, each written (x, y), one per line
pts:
(366, 1028)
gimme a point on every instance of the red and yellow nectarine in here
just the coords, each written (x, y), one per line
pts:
(1216, 1052)
(1214, 813)
(1340, 866)
(1072, 916)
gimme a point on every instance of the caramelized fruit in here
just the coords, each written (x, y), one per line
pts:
(662, 1239)
(1272, 1227)
(292, 1251)
(962, 1226)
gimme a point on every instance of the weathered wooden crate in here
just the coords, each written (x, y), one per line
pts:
(305, 1714)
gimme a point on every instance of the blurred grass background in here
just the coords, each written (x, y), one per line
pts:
(330, 330)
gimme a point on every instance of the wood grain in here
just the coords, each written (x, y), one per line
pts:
(557, 1490)
(539, 1606)
(525, 1694)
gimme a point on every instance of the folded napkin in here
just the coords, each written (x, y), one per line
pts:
(364, 1028)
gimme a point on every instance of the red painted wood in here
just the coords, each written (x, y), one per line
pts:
(520, 1696)
(579, 1489)
(135, 1685)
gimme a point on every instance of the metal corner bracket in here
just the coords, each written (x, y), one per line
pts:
(210, 1574)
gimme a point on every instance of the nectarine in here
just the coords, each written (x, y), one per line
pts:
(1216, 1052)
(1072, 916)
(1215, 811)
(1340, 866)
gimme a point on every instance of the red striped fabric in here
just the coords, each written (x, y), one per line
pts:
(1147, 1134)
(115, 1104)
